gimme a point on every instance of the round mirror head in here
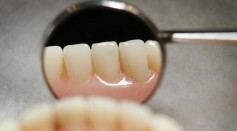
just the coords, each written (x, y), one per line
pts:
(102, 48)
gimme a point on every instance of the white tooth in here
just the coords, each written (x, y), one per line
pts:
(164, 123)
(134, 117)
(78, 62)
(105, 59)
(71, 114)
(53, 64)
(154, 55)
(134, 59)
(10, 126)
(40, 118)
(103, 113)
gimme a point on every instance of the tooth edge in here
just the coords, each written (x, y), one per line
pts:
(73, 55)
(71, 113)
(154, 55)
(53, 71)
(139, 116)
(102, 54)
(103, 112)
(132, 54)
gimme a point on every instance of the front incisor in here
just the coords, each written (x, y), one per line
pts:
(78, 62)
(134, 60)
(103, 114)
(134, 117)
(71, 114)
(105, 59)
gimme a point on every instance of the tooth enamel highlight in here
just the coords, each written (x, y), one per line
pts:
(134, 117)
(53, 64)
(39, 119)
(134, 59)
(71, 114)
(10, 126)
(103, 114)
(105, 59)
(78, 62)
(164, 123)
(154, 55)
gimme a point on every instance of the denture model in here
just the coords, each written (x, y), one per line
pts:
(106, 69)
(93, 114)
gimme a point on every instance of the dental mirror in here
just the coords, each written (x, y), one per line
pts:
(110, 48)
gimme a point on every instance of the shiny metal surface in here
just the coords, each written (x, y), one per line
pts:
(122, 6)
(199, 85)
(200, 37)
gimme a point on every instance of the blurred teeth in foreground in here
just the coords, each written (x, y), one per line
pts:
(95, 113)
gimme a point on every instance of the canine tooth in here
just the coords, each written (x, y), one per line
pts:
(134, 117)
(134, 59)
(154, 55)
(40, 118)
(10, 126)
(103, 113)
(164, 123)
(53, 64)
(78, 62)
(105, 59)
(71, 114)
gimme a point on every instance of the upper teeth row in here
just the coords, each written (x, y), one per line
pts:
(78, 114)
(106, 59)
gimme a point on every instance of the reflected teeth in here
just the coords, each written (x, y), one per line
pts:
(39, 119)
(134, 117)
(78, 62)
(154, 55)
(53, 64)
(134, 59)
(103, 114)
(71, 114)
(105, 59)
(75, 114)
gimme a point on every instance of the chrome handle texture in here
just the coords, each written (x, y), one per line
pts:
(205, 37)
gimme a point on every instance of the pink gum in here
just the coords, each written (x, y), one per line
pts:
(124, 89)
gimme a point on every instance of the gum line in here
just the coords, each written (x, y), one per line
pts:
(124, 89)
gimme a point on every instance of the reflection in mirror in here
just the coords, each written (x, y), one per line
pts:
(105, 52)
